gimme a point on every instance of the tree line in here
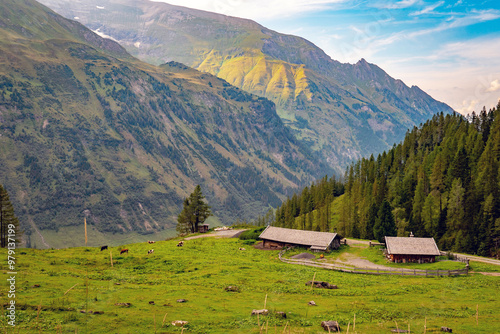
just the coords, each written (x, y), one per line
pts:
(8, 220)
(442, 181)
(309, 210)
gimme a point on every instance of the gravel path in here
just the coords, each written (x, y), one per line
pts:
(219, 234)
(353, 242)
(354, 261)
(479, 259)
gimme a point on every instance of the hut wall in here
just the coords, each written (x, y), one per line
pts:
(272, 244)
(406, 258)
(336, 243)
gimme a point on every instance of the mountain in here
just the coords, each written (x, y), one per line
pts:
(86, 130)
(343, 111)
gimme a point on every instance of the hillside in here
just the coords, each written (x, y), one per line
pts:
(88, 130)
(139, 293)
(343, 111)
(442, 181)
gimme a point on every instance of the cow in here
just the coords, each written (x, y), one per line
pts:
(124, 251)
(104, 247)
(151, 242)
(180, 244)
(150, 251)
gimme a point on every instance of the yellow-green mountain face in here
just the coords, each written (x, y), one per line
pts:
(342, 111)
(86, 130)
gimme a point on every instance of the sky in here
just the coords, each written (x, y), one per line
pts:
(450, 49)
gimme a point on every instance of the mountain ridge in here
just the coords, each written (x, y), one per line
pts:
(342, 111)
(91, 132)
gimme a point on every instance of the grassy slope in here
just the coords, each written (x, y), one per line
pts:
(102, 134)
(201, 270)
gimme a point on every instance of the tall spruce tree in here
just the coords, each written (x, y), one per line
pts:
(194, 212)
(8, 220)
(384, 224)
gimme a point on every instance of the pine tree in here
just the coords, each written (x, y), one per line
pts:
(384, 224)
(184, 224)
(8, 220)
(194, 212)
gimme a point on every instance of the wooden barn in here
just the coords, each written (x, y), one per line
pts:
(203, 228)
(403, 250)
(278, 237)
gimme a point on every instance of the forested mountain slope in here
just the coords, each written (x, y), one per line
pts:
(88, 130)
(343, 111)
(442, 181)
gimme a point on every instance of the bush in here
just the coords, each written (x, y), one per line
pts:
(252, 234)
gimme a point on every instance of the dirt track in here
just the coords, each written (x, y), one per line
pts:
(219, 234)
(354, 261)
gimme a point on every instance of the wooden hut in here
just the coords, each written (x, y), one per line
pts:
(278, 237)
(203, 228)
(403, 250)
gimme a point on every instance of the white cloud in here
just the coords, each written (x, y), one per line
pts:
(369, 40)
(467, 20)
(256, 9)
(428, 9)
(398, 5)
(465, 75)
(494, 86)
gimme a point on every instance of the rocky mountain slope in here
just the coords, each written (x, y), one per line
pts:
(88, 130)
(343, 111)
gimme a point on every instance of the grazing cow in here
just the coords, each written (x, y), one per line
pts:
(180, 244)
(150, 251)
(104, 247)
(124, 251)
(151, 242)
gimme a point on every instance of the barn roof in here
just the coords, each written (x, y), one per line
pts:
(411, 246)
(321, 240)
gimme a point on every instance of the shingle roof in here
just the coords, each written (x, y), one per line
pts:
(298, 237)
(411, 246)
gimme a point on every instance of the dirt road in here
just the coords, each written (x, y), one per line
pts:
(219, 234)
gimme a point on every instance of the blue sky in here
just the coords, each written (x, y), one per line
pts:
(450, 49)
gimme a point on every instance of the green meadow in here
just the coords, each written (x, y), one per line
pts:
(57, 288)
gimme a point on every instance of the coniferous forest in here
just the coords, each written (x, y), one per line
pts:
(442, 181)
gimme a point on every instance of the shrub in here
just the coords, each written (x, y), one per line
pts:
(252, 234)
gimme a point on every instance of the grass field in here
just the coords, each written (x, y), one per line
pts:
(78, 279)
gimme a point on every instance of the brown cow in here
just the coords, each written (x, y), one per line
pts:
(124, 251)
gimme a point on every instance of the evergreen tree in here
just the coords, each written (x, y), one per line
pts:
(384, 224)
(184, 224)
(194, 212)
(372, 218)
(8, 220)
